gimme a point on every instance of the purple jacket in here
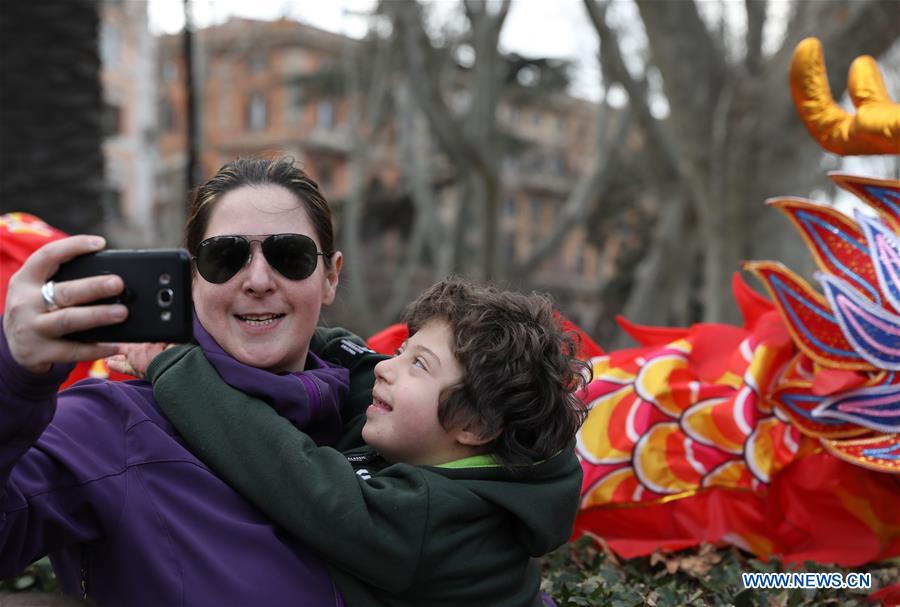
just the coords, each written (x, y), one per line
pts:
(99, 479)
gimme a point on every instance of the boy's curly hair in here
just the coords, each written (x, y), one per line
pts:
(520, 373)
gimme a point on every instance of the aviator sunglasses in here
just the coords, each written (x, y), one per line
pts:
(294, 256)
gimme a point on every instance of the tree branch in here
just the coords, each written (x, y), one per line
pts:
(474, 9)
(846, 29)
(864, 28)
(412, 154)
(756, 20)
(381, 78)
(414, 150)
(425, 88)
(691, 63)
(482, 131)
(502, 13)
(586, 192)
(661, 142)
(352, 212)
(662, 268)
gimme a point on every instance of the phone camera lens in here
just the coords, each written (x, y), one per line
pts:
(164, 297)
(165, 279)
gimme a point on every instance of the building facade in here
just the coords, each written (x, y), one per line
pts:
(128, 74)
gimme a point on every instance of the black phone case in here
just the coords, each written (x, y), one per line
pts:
(157, 293)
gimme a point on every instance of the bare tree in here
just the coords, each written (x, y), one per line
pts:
(472, 139)
(471, 142)
(732, 136)
(450, 146)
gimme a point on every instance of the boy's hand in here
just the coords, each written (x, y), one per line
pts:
(134, 359)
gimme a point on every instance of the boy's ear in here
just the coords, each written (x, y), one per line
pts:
(473, 437)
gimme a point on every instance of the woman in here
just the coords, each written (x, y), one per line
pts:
(98, 478)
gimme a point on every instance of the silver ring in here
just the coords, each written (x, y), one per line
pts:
(48, 292)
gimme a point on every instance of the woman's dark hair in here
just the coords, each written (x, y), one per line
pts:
(520, 373)
(256, 172)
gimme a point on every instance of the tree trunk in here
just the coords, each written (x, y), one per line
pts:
(483, 126)
(470, 143)
(656, 297)
(50, 113)
(587, 191)
(426, 231)
(351, 216)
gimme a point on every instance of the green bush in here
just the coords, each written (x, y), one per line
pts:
(583, 575)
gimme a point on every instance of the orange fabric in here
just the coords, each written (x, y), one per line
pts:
(818, 508)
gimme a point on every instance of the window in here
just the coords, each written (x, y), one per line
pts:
(112, 203)
(110, 44)
(534, 205)
(111, 120)
(325, 174)
(256, 112)
(257, 61)
(294, 61)
(325, 114)
(293, 109)
(168, 119)
(170, 72)
(509, 246)
(579, 261)
(225, 108)
(561, 124)
(558, 164)
(509, 206)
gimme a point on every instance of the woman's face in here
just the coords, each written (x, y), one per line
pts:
(258, 316)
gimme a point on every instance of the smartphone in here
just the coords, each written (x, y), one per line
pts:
(157, 293)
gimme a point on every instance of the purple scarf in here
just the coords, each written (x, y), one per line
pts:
(309, 399)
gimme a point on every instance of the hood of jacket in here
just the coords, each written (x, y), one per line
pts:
(543, 498)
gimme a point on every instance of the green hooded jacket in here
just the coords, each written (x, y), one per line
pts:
(463, 533)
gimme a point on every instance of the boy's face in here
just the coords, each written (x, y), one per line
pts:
(402, 422)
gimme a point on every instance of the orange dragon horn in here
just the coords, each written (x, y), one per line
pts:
(874, 129)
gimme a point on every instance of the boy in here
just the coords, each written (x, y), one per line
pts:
(468, 471)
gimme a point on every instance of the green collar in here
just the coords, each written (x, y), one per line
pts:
(473, 461)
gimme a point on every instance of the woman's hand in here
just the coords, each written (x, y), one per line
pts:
(35, 332)
(134, 359)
